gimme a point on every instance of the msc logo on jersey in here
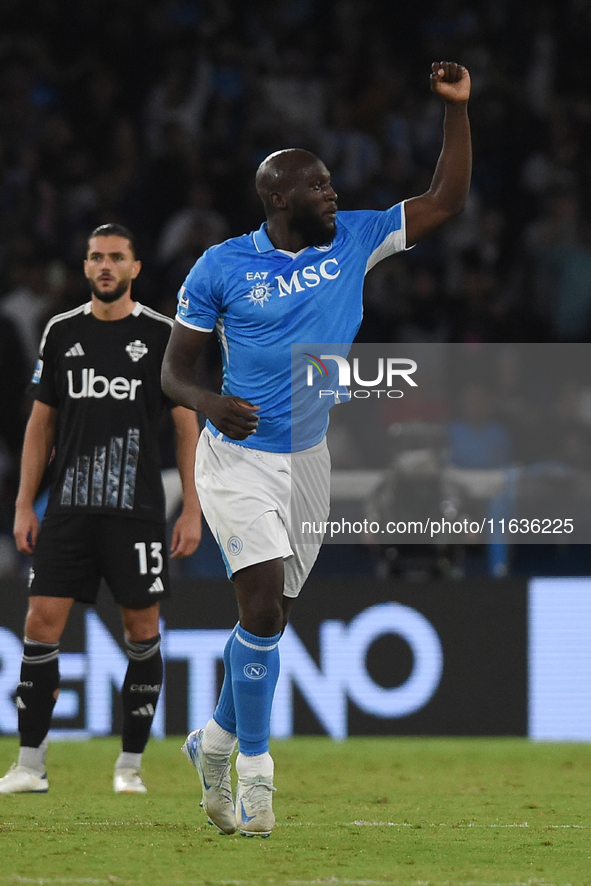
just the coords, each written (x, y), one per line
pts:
(99, 386)
(306, 278)
(310, 277)
(136, 350)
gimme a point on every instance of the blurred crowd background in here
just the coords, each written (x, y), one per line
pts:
(156, 114)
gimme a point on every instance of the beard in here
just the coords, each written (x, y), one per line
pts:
(312, 227)
(113, 295)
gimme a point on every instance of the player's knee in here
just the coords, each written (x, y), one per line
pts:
(141, 624)
(46, 618)
(264, 618)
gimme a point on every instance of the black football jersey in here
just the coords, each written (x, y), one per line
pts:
(103, 377)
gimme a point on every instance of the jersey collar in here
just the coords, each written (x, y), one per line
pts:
(135, 313)
(263, 243)
(261, 239)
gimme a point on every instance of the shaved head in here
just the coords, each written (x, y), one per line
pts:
(280, 171)
(300, 202)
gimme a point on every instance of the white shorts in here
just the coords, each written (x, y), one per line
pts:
(253, 502)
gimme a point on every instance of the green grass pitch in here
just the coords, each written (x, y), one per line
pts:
(367, 811)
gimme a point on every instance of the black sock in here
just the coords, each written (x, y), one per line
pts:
(35, 693)
(140, 692)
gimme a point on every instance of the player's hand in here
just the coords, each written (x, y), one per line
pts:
(26, 529)
(233, 416)
(450, 81)
(186, 534)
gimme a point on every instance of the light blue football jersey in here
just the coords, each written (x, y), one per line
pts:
(261, 300)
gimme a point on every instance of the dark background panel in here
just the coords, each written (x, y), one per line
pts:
(481, 624)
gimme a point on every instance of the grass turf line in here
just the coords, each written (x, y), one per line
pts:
(364, 812)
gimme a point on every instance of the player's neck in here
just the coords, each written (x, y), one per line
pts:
(284, 238)
(115, 310)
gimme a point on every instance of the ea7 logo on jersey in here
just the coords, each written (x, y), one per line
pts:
(136, 350)
(98, 386)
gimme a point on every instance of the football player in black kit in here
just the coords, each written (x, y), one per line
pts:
(98, 401)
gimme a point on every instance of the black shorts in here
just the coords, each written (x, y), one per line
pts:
(74, 551)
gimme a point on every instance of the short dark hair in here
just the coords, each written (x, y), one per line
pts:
(113, 229)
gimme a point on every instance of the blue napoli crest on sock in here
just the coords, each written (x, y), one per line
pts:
(255, 671)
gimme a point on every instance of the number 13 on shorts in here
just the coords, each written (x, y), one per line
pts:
(155, 557)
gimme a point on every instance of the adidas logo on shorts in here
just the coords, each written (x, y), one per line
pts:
(157, 587)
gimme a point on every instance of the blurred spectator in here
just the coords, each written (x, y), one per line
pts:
(29, 304)
(159, 120)
(476, 311)
(426, 318)
(178, 99)
(353, 156)
(294, 92)
(178, 229)
(15, 375)
(568, 268)
(476, 439)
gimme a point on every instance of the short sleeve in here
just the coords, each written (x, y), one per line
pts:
(199, 302)
(378, 234)
(43, 383)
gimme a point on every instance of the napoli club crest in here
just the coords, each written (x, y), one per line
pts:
(234, 545)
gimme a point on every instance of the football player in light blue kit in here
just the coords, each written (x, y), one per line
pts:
(299, 278)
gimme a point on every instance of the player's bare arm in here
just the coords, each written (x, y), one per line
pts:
(233, 416)
(37, 446)
(451, 181)
(186, 533)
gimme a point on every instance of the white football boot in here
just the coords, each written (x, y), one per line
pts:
(254, 806)
(128, 781)
(216, 784)
(22, 780)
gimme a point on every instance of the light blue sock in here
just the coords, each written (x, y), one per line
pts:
(225, 713)
(255, 671)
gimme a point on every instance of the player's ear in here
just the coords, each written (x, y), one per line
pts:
(136, 268)
(277, 200)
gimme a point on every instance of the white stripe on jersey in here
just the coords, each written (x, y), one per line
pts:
(86, 309)
(221, 332)
(150, 312)
(192, 325)
(79, 310)
(394, 242)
